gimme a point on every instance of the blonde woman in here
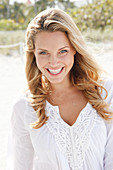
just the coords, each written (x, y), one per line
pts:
(64, 120)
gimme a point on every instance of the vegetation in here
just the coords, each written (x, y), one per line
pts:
(22, 13)
(9, 24)
(95, 15)
(98, 15)
(95, 20)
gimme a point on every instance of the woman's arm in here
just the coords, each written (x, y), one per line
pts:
(21, 152)
(108, 158)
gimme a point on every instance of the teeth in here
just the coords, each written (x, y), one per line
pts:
(55, 71)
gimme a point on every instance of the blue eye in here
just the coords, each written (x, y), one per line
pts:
(63, 51)
(43, 53)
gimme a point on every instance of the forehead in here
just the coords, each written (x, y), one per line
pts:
(57, 38)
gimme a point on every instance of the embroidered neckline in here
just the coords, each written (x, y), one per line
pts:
(56, 108)
(73, 141)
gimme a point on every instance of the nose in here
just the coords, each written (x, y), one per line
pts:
(53, 60)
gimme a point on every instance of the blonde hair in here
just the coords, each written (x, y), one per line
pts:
(84, 73)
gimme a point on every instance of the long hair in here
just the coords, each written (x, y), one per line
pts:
(84, 73)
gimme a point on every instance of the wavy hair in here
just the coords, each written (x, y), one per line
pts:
(84, 73)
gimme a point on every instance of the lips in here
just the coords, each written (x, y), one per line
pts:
(55, 71)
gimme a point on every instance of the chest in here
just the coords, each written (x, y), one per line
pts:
(73, 142)
(70, 109)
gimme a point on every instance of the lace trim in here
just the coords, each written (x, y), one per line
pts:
(73, 141)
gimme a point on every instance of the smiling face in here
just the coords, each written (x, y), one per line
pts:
(54, 56)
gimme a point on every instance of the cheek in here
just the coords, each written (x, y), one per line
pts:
(70, 60)
(40, 62)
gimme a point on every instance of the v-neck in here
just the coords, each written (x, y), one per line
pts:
(73, 141)
(83, 112)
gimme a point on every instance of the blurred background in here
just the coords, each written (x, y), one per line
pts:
(95, 20)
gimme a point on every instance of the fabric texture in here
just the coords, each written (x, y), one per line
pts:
(86, 145)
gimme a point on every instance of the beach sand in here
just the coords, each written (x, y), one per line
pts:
(13, 82)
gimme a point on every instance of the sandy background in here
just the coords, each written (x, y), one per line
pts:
(12, 82)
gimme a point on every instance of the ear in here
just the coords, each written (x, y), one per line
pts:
(75, 52)
(34, 51)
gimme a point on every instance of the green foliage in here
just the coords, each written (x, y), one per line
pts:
(17, 12)
(9, 24)
(98, 15)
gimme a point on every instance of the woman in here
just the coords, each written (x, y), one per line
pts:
(64, 120)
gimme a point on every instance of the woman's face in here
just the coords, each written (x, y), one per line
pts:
(54, 55)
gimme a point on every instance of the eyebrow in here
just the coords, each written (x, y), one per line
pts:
(64, 47)
(58, 49)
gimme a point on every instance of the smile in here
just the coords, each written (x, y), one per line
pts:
(55, 72)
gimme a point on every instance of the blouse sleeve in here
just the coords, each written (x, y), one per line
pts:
(108, 159)
(20, 149)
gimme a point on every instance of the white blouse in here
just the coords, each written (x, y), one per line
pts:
(86, 145)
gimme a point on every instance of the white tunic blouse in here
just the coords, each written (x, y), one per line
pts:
(86, 145)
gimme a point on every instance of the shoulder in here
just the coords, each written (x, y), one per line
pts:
(22, 111)
(19, 107)
(107, 83)
(21, 116)
(19, 103)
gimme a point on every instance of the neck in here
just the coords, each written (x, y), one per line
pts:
(59, 91)
(60, 88)
(59, 94)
